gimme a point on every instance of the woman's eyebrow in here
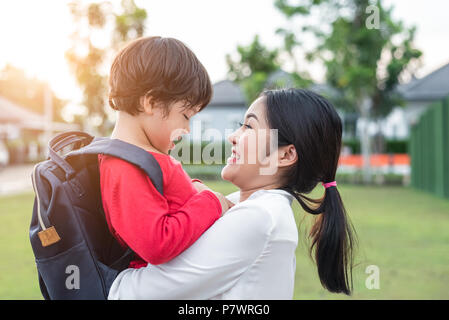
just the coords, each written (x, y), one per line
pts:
(251, 115)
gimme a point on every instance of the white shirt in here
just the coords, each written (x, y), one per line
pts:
(249, 253)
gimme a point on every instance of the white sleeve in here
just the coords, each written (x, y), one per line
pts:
(211, 266)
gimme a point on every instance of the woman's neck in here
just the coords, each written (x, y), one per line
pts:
(246, 193)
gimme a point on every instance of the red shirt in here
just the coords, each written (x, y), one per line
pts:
(157, 228)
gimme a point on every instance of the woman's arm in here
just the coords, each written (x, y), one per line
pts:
(211, 266)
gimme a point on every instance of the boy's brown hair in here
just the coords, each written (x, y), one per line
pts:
(163, 69)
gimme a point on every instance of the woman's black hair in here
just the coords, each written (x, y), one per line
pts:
(310, 123)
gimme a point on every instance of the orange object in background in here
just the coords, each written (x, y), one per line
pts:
(401, 159)
(377, 160)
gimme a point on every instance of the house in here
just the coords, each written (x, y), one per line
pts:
(24, 134)
(418, 94)
(228, 106)
(283, 79)
(222, 115)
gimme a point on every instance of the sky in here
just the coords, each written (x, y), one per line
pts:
(35, 34)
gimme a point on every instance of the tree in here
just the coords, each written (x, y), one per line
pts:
(130, 24)
(28, 92)
(252, 68)
(255, 63)
(88, 61)
(365, 52)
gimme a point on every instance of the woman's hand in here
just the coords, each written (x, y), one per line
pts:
(225, 203)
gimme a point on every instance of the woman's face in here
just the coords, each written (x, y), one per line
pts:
(252, 163)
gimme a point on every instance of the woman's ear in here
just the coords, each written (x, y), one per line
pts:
(287, 156)
(147, 105)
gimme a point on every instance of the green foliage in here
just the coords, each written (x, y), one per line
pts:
(385, 179)
(360, 61)
(184, 152)
(253, 66)
(354, 144)
(130, 23)
(396, 146)
(253, 58)
(391, 145)
(204, 172)
(88, 67)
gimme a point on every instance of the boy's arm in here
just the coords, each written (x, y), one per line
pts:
(226, 204)
(140, 215)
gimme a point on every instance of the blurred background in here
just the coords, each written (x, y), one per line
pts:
(383, 64)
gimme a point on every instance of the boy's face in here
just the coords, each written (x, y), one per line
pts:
(161, 129)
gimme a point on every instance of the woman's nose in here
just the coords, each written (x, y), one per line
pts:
(233, 138)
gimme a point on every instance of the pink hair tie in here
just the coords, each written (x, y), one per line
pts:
(329, 184)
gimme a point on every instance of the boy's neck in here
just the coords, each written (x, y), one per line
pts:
(127, 128)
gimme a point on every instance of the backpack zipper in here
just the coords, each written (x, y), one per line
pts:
(48, 235)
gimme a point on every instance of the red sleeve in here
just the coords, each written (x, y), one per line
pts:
(139, 214)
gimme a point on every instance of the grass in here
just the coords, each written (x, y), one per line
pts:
(402, 231)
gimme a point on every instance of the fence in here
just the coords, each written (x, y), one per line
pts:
(429, 150)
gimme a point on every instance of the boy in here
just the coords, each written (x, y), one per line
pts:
(156, 85)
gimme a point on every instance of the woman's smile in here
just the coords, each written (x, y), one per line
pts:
(233, 158)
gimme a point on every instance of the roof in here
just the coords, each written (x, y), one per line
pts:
(280, 77)
(11, 112)
(227, 93)
(15, 114)
(434, 86)
(324, 89)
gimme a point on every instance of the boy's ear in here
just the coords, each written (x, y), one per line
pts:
(287, 155)
(147, 105)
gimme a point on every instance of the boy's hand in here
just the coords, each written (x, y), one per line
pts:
(225, 203)
(200, 186)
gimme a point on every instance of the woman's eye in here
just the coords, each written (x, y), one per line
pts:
(187, 118)
(245, 125)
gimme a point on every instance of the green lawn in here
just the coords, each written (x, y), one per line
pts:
(402, 231)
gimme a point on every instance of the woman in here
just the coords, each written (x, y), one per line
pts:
(249, 253)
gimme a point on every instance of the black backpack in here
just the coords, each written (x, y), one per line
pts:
(77, 257)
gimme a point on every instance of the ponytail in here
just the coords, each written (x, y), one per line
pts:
(332, 240)
(311, 124)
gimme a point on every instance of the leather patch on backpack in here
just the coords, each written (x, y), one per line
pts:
(48, 236)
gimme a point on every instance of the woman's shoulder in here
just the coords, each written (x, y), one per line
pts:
(271, 202)
(250, 216)
(272, 208)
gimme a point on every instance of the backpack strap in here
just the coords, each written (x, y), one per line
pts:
(64, 139)
(125, 151)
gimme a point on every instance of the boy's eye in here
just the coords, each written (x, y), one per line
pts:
(245, 125)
